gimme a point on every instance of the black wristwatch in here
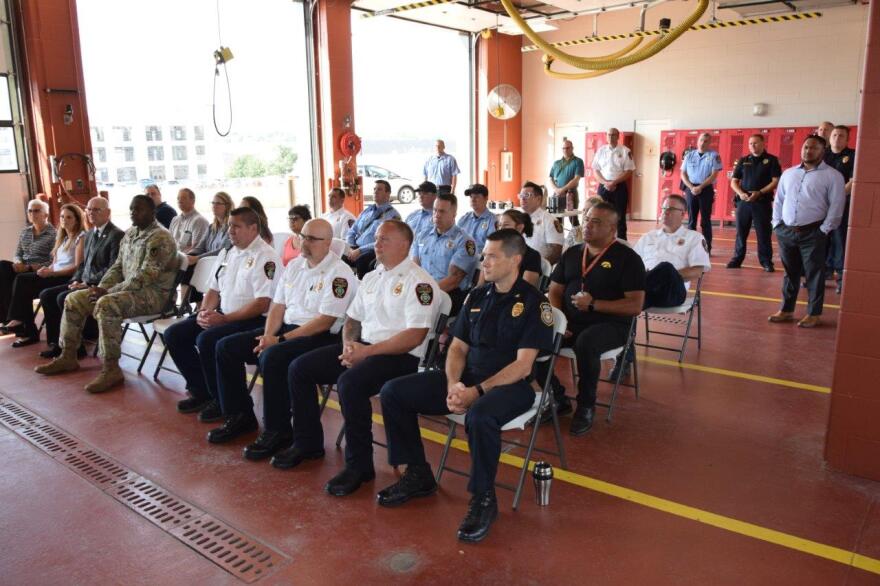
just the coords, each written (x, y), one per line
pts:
(280, 338)
(591, 307)
(480, 390)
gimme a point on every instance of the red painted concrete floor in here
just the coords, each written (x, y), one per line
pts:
(708, 478)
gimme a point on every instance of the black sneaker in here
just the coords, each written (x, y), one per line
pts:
(348, 481)
(192, 405)
(482, 511)
(417, 481)
(211, 412)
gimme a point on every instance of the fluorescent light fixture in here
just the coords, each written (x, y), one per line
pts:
(538, 26)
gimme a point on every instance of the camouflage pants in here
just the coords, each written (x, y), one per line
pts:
(109, 311)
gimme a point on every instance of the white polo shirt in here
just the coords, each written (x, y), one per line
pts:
(546, 230)
(341, 220)
(326, 289)
(240, 276)
(682, 249)
(390, 301)
(613, 162)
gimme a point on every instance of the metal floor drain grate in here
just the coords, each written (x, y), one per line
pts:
(232, 550)
(235, 552)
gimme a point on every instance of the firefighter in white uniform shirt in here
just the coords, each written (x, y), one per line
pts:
(673, 256)
(237, 300)
(340, 218)
(383, 338)
(613, 165)
(547, 237)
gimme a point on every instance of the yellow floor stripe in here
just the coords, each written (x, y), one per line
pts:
(808, 546)
(759, 298)
(737, 374)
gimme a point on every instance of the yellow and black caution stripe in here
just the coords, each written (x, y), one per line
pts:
(697, 27)
(405, 7)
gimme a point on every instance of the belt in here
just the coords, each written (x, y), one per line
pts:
(804, 228)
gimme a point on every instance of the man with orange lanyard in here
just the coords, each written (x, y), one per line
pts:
(600, 285)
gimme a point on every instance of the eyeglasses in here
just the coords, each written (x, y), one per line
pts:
(308, 238)
(34, 210)
(294, 218)
(94, 209)
(669, 210)
(527, 195)
(218, 203)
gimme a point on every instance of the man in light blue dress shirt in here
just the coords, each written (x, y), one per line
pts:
(421, 219)
(479, 222)
(362, 236)
(698, 171)
(808, 206)
(441, 168)
(447, 252)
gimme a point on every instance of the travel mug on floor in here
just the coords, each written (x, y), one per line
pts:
(542, 474)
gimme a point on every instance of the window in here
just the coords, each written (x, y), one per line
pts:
(157, 172)
(156, 153)
(102, 154)
(178, 153)
(154, 133)
(124, 154)
(199, 132)
(8, 150)
(202, 171)
(97, 134)
(181, 172)
(102, 175)
(126, 174)
(122, 133)
(178, 132)
(200, 150)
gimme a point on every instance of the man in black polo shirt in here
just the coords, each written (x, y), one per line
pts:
(754, 180)
(600, 285)
(499, 332)
(842, 158)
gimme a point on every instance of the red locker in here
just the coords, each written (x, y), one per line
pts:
(595, 140)
(734, 145)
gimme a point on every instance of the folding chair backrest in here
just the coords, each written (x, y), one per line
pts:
(546, 267)
(560, 322)
(279, 239)
(202, 274)
(431, 352)
(338, 247)
(182, 265)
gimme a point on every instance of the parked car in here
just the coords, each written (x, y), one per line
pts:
(401, 187)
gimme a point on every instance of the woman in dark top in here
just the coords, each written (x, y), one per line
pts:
(530, 269)
(250, 201)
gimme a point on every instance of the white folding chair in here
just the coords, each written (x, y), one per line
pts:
(614, 354)
(691, 306)
(543, 400)
(279, 239)
(165, 311)
(546, 269)
(339, 247)
(199, 281)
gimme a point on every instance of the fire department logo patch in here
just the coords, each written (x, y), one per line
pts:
(425, 293)
(546, 314)
(470, 247)
(340, 287)
(558, 225)
(269, 269)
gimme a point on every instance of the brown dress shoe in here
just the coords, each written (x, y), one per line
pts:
(809, 321)
(781, 316)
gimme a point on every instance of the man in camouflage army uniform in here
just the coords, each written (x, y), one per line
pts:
(138, 283)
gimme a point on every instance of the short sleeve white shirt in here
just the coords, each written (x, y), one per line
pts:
(326, 289)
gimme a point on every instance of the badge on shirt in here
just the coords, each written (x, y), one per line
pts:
(546, 314)
(485, 225)
(340, 287)
(558, 225)
(319, 286)
(250, 262)
(845, 160)
(269, 269)
(606, 264)
(518, 309)
(449, 244)
(766, 161)
(398, 289)
(470, 247)
(681, 241)
(425, 293)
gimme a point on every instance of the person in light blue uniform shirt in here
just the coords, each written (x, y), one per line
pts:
(698, 171)
(362, 235)
(441, 168)
(421, 220)
(447, 252)
(480, 222)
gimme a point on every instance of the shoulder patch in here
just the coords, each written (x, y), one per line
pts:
(558, 225)
(269, 269)
(717, 158)
(340, 287)
(350, 222)
(471, 247)
(425, 293)
(546, 314)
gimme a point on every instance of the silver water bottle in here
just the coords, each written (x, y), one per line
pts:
(542, 474)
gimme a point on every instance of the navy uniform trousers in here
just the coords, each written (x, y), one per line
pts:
(404, 398)
(701, 206)
(664, 286)
(758, 212)
(234, 351)
(619, 198)
(194, 351)
(354, 386)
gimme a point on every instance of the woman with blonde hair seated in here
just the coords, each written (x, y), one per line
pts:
(67, 255)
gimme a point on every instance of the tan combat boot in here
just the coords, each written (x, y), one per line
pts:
(67, 362)
(110, 377)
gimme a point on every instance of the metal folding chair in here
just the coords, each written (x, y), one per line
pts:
(614, 354)
(692, 306)
(544, 280)
(543, 400)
